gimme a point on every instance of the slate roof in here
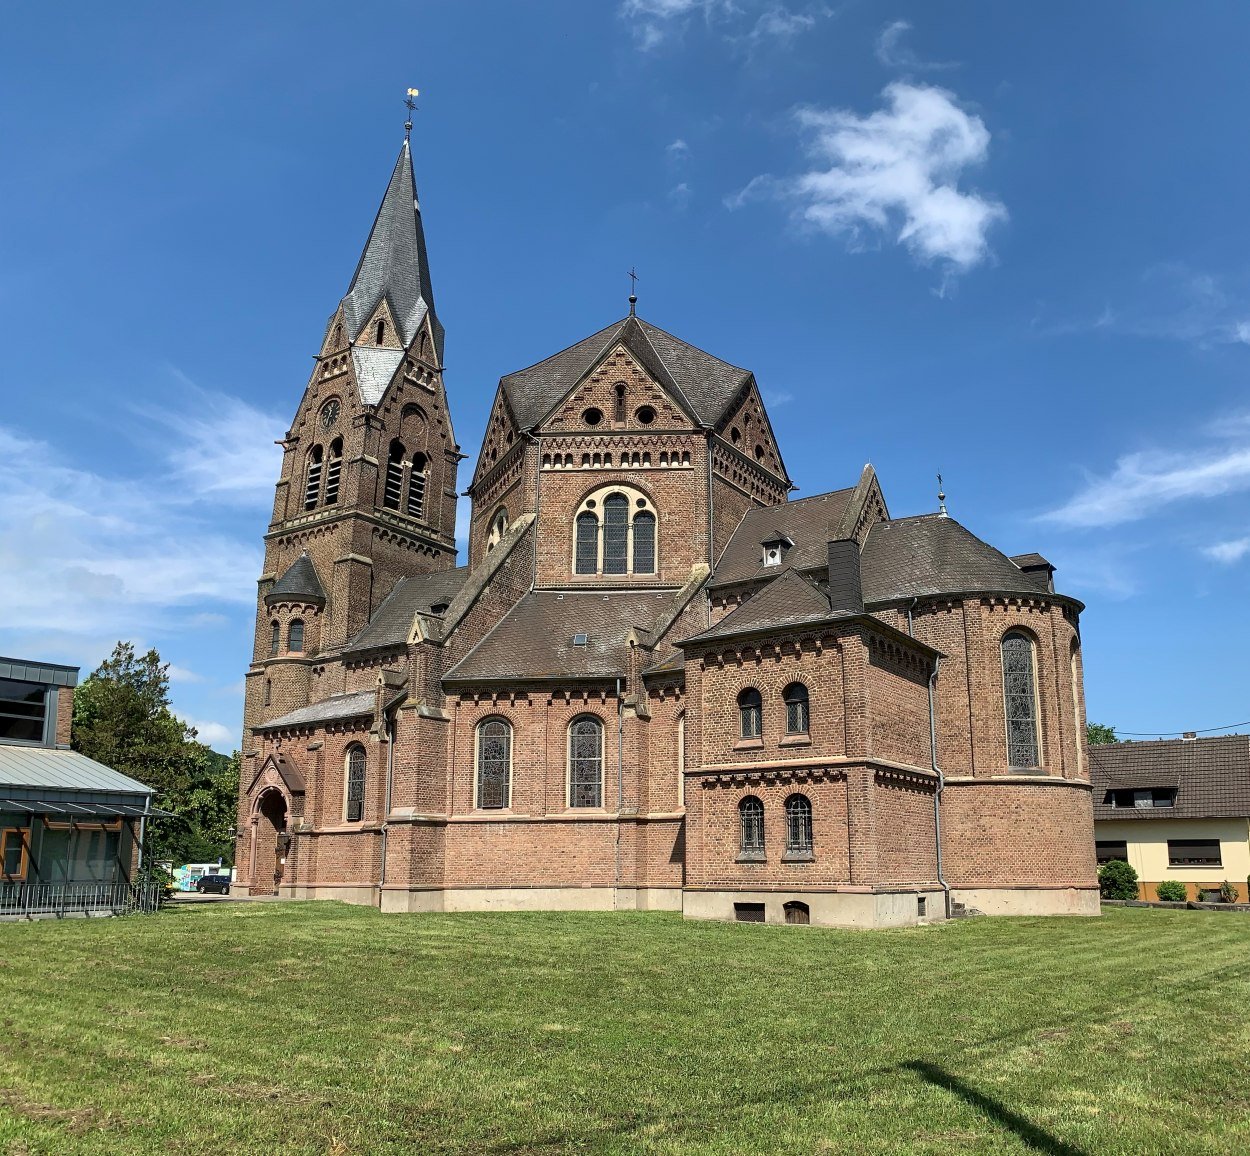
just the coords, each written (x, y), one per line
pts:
(374, 368)
(298, 581)
(394, 263)
(808, 522)
(705, 384)
(534, 640)
(340, 706)
(788, 600)
(50, 769)
(934, 554)
(1211, 776)
(391, 623)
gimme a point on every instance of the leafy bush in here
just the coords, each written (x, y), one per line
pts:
(1228, 892)
(1172, 891)
(1117, 880)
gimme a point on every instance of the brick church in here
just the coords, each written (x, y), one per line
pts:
(658, 682)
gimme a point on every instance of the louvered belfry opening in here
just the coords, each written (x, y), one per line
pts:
(393, 489)
(416, 486)
(312, 485)
(334, 471)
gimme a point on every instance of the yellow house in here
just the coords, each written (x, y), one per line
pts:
(1175, 809)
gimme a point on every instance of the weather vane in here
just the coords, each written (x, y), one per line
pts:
(411, 101)
(633, 290)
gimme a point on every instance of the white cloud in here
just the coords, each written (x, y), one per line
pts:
(1228, 552)
(779, 25)
(894, 54)
(215, 734)
(678, 150)
(182, 674)
(656, 21)
(1141, 483)
(894, 171)
(680, 195)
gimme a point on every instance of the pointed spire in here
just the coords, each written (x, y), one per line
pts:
(394, 264)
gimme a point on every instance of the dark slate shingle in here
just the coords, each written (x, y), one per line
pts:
(419, 593)
(299, 581)
(788, 600)
(1211, 776)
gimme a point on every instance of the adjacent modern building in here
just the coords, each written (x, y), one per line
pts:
(70, 828)
(1175, 809)
(662, 680)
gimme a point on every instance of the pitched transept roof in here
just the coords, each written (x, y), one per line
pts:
(394, 264)
(391, 623)
(788, 600)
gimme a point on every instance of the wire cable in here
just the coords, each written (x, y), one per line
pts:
(1169, 734)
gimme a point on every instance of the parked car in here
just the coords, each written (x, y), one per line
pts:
(218, 883)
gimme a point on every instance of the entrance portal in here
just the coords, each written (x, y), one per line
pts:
(269, 844)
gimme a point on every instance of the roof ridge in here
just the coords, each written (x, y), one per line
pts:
(643, 322)
(568, 348)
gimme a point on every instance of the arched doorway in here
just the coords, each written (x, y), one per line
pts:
(269, 843)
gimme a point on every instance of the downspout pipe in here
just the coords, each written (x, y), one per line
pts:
(620, 783)
(386, 798)
(933, 763)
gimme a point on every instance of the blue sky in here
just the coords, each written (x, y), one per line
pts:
(1006, 244)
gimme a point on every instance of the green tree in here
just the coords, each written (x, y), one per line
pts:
(122, 718)
(1099, 734)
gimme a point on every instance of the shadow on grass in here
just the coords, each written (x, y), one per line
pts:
(1035, 1137)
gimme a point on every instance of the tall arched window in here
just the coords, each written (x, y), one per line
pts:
(498, 528)
(275, 637)
(295, 636)
(354, 791)
(416, 485)
(380, 334)
(751, 822)
(1020, 700)
(618, 396)
(750, 710)
(587, 560)
(795, 698)
(268, 691)
(586, 763)
(393, 487)
(798, 825)
(334, 471)
(494, 763)
(312, 478)
(644, 543)
(681, 759)
(616, 534)
(1077, 727)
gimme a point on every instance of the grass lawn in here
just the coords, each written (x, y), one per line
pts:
(320, 1028)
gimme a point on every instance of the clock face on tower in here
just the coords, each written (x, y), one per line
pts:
(329, 413)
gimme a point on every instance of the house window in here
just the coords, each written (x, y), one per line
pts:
(1105, 850)
(23, 710)
(1194, 853)
(615, 533)
(334, 471)
(750, 712)
(751, 822)
(416, 486)
(644, 543)
(312, 483)
(13, 853)
(355, 791)
(1148, 798)
(1020, 701)
(393, 487)
(795, 698)
(798, 825)
(586, 763)
(494, 763)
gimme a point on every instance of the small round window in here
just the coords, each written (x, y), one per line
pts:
(592, 416)
(645, 415)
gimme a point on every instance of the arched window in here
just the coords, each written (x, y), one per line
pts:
(586, 763)
(334, 471)
(618, 393)
(750, 710)
(393, 487)
(494, 763)
(268, 691)
(312, 478)
(795, 698)
(380, 335)
(1077, 728)
(498, 528)
(355, 784)
(275, 637)
(587, 560)
(295, 636)
(416, 486)
(751, 822)
(798, 825)
(644, 543)
(1020, 700)
(681, 759)
(616, 534)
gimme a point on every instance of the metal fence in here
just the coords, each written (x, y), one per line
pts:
(27, 900)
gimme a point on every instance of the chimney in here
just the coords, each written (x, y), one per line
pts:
(845, 592)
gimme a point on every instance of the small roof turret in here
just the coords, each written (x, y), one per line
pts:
(298, 584)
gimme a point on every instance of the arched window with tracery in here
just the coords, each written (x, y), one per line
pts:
(295, 636)
(1020, 701)
(354, 779)
(798, 825)
(494, 763)
(644, 542)
(312, 478)
(586, 762)
(498, 528)
(334, 471)
(795, 698)
(416, 485)
(587, 554)
(751, 828)
(615, 532)
(750, 713)
(393, 485)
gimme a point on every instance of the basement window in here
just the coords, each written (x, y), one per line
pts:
(749, 912)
